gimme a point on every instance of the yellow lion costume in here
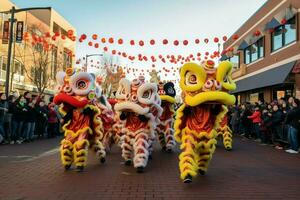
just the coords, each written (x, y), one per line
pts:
(205, 96)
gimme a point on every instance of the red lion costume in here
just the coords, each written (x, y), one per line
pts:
(82, 124)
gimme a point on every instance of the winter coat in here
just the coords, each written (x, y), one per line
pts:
(277, 118)
(293, 117)
(256, 117)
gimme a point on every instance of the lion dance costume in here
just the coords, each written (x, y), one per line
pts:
(225, 132)
(82, 124)
(205, 94)
(139, 107)
(164, 129)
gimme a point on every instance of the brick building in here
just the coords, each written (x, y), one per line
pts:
(265, 51)
(40, 22)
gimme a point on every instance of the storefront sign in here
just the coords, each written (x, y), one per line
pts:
(5, 35)
(254, 97)
(19, 32)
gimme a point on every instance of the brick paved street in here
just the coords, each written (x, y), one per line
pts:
(250, 171)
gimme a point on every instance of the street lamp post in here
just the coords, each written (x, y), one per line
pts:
(10, 39)
(90, 55)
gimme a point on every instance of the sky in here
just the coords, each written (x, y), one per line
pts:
(152, 19)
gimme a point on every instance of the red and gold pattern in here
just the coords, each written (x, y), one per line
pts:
(205, 94)
(164, 129)
(225, 132)
(82, 125)
(139, 108)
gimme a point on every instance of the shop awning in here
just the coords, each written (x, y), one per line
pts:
(243, 45)
(272, 24)
(267, 78)
(223, 57)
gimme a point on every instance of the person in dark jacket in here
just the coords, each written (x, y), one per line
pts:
(245, 121)
(18, 111)
(265, 127)
(292, 121)
(277, 124)
(3, 111)
(29, 122)
(41, 118)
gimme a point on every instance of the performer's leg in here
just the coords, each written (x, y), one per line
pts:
(80, 151)
(161, 136)
(99, 148)
(205, 150)
(188, 157)
(127, 149)
(227, 139)
(66, 153)
(141, 151)
(170, 141)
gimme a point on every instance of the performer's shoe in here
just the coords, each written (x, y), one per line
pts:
(79, 168)
(228, 148)
(202, 172)
(188, 179)
(67, 167)
(140, 169)
(127, 162)
(102, 160)
(169, 150)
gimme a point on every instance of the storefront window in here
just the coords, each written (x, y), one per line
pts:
(284, 34)
(254, 51)
(235, 60)
(290, 31)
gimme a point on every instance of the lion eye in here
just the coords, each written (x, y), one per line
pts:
(190, 79)
(81, 84)
(147, 95)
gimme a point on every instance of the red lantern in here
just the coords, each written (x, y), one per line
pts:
(235, 37)
(206, 40)
(70, 33)
(90, 44)
(111, 40)
(53, 38)
(119, 53)
(216, 40)
(105, 49)
(224, 38)
(198, 54)
(46, 34)
(113, 52)
(176, 43)
(131, 42)
(197, 41)
(283, 21)
(152, 42)
(206, 53)
(56, 34)
(165, 41)
(185, 42)
(103, 40)
(271, 30)
(141, 43)
(120, 41)
(96, 45)
(63, 37)
(83, 36)
(257, 33)
(94, 36)
(153, 65)
(230, 49)
(124, 54)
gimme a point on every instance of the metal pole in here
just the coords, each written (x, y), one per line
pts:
(10, 42)
(86, 63)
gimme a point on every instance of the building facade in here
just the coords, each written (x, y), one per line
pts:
(39, 23)
(265, 51)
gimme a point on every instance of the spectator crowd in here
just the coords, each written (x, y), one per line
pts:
(24, 118)
(276, 123)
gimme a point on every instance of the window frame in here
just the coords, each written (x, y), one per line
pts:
(238, 54)
(283, 40)
(259, 53)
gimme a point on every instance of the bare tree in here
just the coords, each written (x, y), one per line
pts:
(36, 58)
